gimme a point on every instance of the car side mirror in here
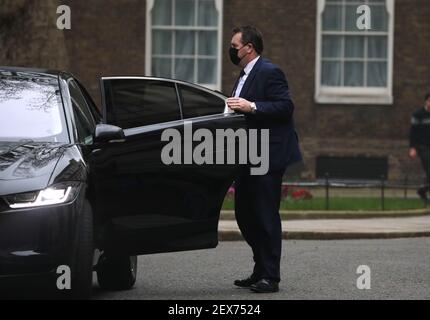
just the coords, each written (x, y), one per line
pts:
(106, 133)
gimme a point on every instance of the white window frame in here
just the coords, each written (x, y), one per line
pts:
(219, 5)
(354, 95)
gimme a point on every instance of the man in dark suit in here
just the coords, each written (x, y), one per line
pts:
(262, 94)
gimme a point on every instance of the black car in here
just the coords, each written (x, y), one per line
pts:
(88, 190)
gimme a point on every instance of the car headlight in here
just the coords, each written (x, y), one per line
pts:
(56, 194)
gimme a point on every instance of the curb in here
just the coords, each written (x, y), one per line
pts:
(225, 236)
(228, 215)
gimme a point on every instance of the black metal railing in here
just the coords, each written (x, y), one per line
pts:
(406, 184)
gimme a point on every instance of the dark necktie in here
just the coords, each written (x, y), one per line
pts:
(242, 73)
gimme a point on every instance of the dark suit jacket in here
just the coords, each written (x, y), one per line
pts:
(267, 86)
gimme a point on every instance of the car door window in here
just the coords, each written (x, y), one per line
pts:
(85, 124)
(95, 111)
(132, 103)
(199, 103)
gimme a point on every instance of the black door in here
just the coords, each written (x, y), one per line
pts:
(148, 206)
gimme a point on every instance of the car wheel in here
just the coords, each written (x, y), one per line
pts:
(117, 272)
(81, 259)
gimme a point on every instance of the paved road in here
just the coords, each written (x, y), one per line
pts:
(311, 270)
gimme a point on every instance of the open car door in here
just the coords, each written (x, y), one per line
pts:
(148, 206)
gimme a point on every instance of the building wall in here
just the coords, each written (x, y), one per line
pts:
(108, 38)
(289, 28)
(28, 35)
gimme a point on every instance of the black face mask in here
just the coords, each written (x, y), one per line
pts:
(234, 56)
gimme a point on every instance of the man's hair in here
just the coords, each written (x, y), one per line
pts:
(251, 34)
(427, 96)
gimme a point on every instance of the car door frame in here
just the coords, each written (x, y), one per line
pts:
(187, 242)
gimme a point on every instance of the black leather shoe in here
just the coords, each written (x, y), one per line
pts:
(265, 286)
(247, 283)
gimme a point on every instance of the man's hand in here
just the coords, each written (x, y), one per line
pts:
(239, 105)
(413, 153)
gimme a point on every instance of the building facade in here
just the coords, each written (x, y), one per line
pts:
(354, 89)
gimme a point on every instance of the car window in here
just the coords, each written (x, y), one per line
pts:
(132, 103)
(85, 124)
(31, 108)
(199, 103)
(95, 111)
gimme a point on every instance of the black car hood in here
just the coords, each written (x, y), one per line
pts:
(29, 164)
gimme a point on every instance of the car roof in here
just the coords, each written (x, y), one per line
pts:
(35, 72)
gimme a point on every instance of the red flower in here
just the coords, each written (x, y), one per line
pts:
(285, 191)
(231, 192)
(301, 195)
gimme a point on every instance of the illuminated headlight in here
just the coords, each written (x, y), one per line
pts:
(56, 194)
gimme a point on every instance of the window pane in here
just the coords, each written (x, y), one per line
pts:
(85, 123)
(136, 103)
(354, 74)
(184, 69)
(185, 12)
(332, 46)
(31, 108)
(208, 15)
(185, 43)
(351, 17)
(378, 47)
(162, 67)
(208, 43)
(379, 18)
(377, 74)
(162, 42)
(162, 13)
(207, 71)
(331, 73)
(332, 18)
(354, 47)
(197, 103)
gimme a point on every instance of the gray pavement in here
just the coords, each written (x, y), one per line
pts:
(342, 229)
(310, 269)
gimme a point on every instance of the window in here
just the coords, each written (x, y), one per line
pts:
(135, 103)
(354, 66)
(197, 103)
(93, 108)
(31, 108)
(184, 40)
(85, 124)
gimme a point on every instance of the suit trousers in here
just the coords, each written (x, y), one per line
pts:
(424, 155)
(257, 213)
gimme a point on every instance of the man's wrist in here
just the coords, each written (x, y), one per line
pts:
(253, 108)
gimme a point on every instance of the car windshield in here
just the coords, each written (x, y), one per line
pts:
(31, 109)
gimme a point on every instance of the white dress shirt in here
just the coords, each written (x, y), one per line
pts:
(242, 80)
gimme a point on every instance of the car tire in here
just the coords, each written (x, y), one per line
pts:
(117, 273)
(81, 259)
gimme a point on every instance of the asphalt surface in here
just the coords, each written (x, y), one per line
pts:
(400, 269)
